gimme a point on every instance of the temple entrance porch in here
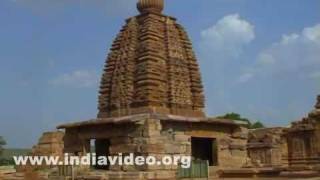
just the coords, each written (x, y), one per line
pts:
(205, 149)
(101, 147)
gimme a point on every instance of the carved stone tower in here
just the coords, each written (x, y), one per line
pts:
(151, 68)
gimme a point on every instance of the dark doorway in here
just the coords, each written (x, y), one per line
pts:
(205, 149)
(101, 147)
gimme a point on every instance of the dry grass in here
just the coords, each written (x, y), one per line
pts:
(32, 175)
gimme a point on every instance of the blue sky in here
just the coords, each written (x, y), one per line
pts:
(260, 58)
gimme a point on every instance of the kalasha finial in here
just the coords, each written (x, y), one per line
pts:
(149, 6)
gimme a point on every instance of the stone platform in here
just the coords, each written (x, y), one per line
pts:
(249, 172)
(273, 173)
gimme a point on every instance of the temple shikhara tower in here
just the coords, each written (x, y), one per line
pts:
(151, 68)
(151, 102)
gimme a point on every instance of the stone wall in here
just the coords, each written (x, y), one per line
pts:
(160, 138)
(231, 141)
(122, 137)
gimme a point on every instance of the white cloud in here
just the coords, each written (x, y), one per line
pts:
(228, 36)
(287, 39)
(245, 77)
(296, 54)
(297, 50)
(265, 59)
(314, 75)
(78, 79)
(312, 33)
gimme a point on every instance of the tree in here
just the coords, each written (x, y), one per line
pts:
(236, 116)
(2, 143)
(257, 125)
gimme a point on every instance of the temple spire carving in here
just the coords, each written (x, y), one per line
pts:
(151, 68)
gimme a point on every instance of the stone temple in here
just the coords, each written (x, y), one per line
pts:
(151, 102)
(151, 68)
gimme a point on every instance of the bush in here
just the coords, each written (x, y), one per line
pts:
(2, 143)
(235, 116)
(257, 125)
(6, 162)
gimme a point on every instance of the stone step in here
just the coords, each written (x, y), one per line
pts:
(91, 178)
(300, 174)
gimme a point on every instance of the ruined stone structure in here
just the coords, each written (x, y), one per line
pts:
(151, 103)
(267, 147)
(296, 147)
(303, 141)
(50, 144)
(292, 152)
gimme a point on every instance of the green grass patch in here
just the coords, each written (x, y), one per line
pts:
(9, 153)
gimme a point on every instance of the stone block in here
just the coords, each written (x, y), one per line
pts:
(182, 138)
(150, 133)
(175, 148)
(123, 148)
(121, 140)
(152, 148)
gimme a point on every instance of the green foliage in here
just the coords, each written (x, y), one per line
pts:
(2, 143)
(6, 159)
(9, 153)
(6, 162)
(257, 125)
(235, 116)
